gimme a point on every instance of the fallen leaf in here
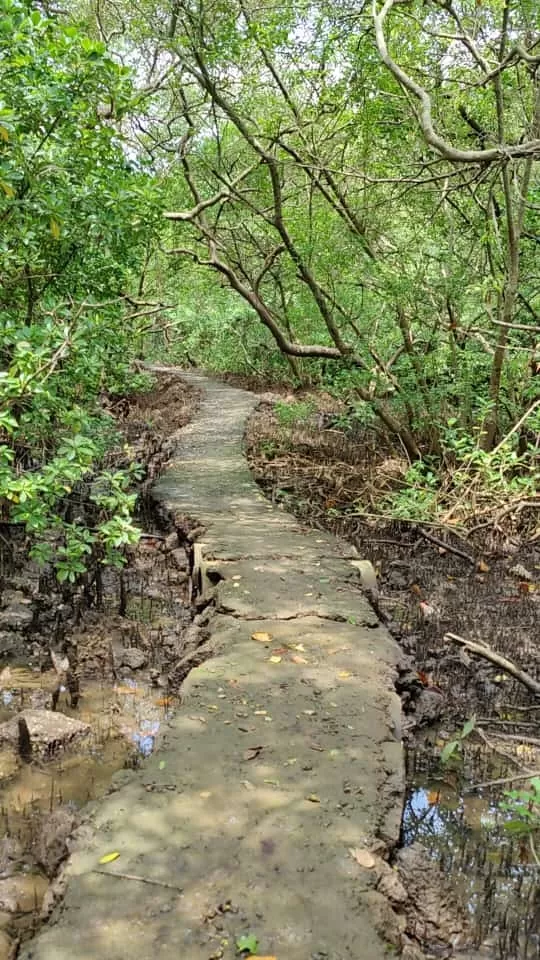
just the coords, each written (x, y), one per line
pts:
(313, 798)
(109, 857)
(296, 659)
(247, 784)
(483, 566)
(248, 944)
(274, 659)
(260, 713)
(300, 647)
(236, 577)
(205, 794)
(251, 753)
(433, 797)
(344, 674)
(162, 764)
(363, 857)
(262, 637)
(316, 746)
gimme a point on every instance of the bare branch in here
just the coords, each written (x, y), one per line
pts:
(529, 148)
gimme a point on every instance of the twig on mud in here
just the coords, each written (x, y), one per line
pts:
(482, 650)
(508, 757)
(445, 546)
(134, 876)
(517, 738)
(501, 780)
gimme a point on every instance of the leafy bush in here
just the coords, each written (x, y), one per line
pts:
(75, 221)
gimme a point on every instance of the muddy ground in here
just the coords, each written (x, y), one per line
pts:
(85, 670)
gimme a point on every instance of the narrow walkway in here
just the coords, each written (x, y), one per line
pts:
(284, 754)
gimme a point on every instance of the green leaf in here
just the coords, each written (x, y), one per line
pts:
(468, 727)
(449, 750)
(109, 857)
(248, 943)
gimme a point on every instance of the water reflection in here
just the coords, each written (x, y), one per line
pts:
(493, 871)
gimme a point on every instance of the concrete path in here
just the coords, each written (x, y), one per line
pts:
(284, 754)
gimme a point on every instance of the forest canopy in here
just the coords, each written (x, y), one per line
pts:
(340, 194)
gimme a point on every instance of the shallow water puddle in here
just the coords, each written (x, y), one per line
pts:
(125, 721)
(493, 871)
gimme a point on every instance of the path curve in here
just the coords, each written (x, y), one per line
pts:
(283, 756)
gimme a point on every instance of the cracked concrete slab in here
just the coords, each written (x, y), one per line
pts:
(285, 753)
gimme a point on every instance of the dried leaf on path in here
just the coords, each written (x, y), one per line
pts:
(363, 857)
(262, 637)
(109, 857)
(251, 753)
(274, 659)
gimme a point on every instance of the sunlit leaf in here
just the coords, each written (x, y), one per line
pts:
(109, 857)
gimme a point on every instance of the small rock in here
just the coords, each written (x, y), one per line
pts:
(49, 731)
(22, 893)
(133, 658)
(518, 570)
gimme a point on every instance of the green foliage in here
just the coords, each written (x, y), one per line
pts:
(524, 809)
(455, 746)
(294, 414)
(76, 218)
(247, 943)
